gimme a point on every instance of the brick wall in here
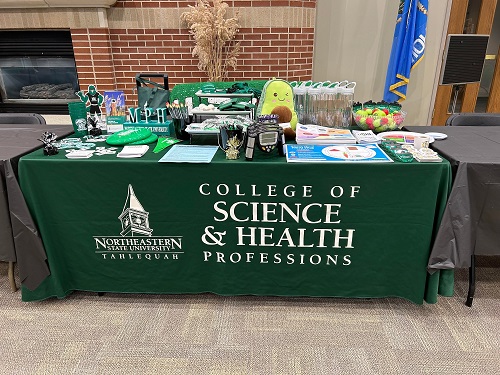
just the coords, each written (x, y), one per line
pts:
(112, 45)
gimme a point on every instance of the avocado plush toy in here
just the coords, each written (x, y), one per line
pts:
(276, 94)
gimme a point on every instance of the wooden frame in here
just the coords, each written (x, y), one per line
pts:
(444, 93)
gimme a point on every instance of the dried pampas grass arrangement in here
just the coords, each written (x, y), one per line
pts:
(214, 37)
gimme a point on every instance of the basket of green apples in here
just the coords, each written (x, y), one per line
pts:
(378, 116)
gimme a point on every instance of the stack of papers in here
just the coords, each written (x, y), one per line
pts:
(365, 136)
(320, 135)
(133, 151)
(80, 154)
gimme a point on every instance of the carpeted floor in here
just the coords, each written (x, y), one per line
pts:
(209, 334)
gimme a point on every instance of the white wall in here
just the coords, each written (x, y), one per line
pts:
(353, 41)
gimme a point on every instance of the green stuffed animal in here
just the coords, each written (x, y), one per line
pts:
(277, 98)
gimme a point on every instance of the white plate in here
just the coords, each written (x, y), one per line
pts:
(402, 136)
(437, 136)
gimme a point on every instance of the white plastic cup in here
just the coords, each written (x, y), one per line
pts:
(420, 142)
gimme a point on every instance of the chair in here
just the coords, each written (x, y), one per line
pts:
(22, 118)
(473, 119)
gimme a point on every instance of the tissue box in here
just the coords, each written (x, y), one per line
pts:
(163, 128)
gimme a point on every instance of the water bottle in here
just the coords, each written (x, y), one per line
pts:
(348, 96)
(322, 106)
(337, 104)
(300, 101)
(329, 94)
(313, 103)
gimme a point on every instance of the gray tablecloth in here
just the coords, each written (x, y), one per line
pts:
(19, 239)
(471, 221)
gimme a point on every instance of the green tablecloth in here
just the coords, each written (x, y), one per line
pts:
(235, 227)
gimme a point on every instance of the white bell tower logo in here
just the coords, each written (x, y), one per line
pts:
(134, 218)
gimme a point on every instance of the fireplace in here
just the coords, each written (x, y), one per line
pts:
(37, 71)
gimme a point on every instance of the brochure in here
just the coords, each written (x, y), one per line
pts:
(365, 136)
(114, 101)
(315, 134)
(366, 153)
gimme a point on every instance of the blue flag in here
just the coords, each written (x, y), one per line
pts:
(408, 47)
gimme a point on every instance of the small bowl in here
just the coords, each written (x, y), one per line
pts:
(380, 124)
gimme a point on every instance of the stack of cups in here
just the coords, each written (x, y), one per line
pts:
(78, 114)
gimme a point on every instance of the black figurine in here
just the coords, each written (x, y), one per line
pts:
(92, 126)
(48, 138)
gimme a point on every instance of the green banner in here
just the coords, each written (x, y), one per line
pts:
(233, 227)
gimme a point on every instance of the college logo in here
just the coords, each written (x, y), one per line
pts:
(134, 218)
(135, 240)
(81, 124)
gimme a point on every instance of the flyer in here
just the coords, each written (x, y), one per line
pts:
(366, 153)
(114, 101)
(189, 154)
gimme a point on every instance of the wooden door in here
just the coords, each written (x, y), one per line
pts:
(468, 93)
